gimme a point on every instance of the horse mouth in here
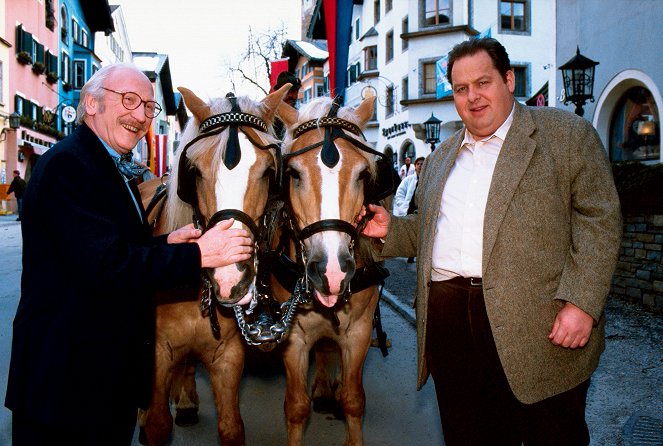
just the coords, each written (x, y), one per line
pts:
(242, 292)
(328, 301)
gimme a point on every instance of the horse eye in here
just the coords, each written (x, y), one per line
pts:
(292, 173)
(364, 175)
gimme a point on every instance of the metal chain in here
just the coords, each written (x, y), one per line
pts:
(263, 332)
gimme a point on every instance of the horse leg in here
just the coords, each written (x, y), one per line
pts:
(297, 404)
(324, 382)
(225, 367)
(184, 394)
(159, 421)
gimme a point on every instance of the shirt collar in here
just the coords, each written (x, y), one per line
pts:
(499, 133)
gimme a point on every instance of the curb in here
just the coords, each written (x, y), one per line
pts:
(406, 312)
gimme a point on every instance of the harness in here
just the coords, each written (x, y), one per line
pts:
(234, 121)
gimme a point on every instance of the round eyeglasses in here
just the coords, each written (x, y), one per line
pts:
(132, 101)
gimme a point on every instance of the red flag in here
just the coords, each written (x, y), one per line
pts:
(329, 7)
(276, 68)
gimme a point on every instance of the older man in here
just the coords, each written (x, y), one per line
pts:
(517, 236)
(83, 347)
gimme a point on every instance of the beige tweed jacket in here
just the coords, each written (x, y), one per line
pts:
(552, 231)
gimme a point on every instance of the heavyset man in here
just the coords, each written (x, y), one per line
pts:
(517, 236)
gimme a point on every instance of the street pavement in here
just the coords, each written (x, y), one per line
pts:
(624, 408)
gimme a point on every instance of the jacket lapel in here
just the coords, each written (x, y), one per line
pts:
(511, 165)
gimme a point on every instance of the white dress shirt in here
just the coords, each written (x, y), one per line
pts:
(458, 245)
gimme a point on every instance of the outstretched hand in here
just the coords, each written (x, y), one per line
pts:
(377, 224)
(223, 245)
(572, 327)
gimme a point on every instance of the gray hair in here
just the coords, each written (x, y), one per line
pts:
(93, 87)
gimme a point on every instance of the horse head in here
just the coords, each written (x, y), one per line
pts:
(328, 167)
(224, 169)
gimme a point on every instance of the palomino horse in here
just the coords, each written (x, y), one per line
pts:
(328, 169)
(223, 170)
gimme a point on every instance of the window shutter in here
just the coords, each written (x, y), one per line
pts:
(40, 54)
(17, 103)
(40, 114)
(19, 38)
(27, 42)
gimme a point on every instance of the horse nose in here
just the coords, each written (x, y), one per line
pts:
(331, 279)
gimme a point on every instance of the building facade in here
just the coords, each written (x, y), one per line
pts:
(395, 46)
(629, 78)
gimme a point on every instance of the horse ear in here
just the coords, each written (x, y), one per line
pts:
(272, 101)
(365, 110)
(198, 107)
(287, 114)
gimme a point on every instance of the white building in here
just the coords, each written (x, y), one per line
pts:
(114, 47)
(396, 43)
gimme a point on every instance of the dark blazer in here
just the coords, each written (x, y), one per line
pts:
(83, 334)
(552, 231)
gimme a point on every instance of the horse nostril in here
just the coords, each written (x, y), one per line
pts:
(348, 266)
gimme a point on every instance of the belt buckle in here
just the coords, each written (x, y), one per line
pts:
(476, 281)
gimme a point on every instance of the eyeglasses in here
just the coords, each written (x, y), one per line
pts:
(132, 101)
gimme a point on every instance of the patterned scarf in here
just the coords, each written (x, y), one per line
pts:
(128, 167)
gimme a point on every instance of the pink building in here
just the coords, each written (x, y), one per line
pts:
(32, 69)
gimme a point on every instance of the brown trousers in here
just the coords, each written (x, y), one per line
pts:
(476, 404)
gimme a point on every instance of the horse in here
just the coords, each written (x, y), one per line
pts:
(329, 172)
(224, 169)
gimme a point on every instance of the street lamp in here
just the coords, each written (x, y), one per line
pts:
(432, 126)
(578, 77)
(14, 123)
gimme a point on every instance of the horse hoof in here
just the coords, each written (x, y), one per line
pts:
(186, 417)
(142, 436)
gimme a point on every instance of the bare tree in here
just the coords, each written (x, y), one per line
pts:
(253, 65)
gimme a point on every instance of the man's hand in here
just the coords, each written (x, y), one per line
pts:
(185, 234)
(223, 246)
(378, 225)
(572, 327)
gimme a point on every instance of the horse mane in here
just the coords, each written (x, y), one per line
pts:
(319, 108)
(178, 212)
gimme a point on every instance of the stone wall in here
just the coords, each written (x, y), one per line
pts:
(639, 274)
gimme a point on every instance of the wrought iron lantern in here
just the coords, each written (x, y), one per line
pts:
(14, 121)
(578, 77)
(432, 126)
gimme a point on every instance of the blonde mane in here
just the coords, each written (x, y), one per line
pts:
(179, 213)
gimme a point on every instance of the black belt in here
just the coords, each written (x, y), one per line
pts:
(468, 282)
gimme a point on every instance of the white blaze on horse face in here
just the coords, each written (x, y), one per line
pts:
(230, 189)
(330, 192)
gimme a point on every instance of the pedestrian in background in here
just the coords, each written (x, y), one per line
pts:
(406, 169)
(17, 187)
(83, 340)
(517, 236)
(404, 202)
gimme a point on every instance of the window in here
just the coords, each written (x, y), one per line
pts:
(389, 106)
(635, 130)
(387, 6)
(521, 75)
(357, 28)
(429, 80)
(50, 15)
(405, 86)
(514, 16)
(64, 67)
(18, 104)
(2, 99)
(79, 74)
(24, 42)
(63, 23)
(353, 73)
(75, 30)
(307, 96)
(376, 11)
(405, 25)
(371, 58)
(389, 46)
(436, 12)
(319, 90)
(84, 38)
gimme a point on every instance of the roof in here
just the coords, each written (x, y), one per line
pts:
(98, 16)
(370, 33)
(311, 50)
(156, 65)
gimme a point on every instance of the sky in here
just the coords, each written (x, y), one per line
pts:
(201, 37)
